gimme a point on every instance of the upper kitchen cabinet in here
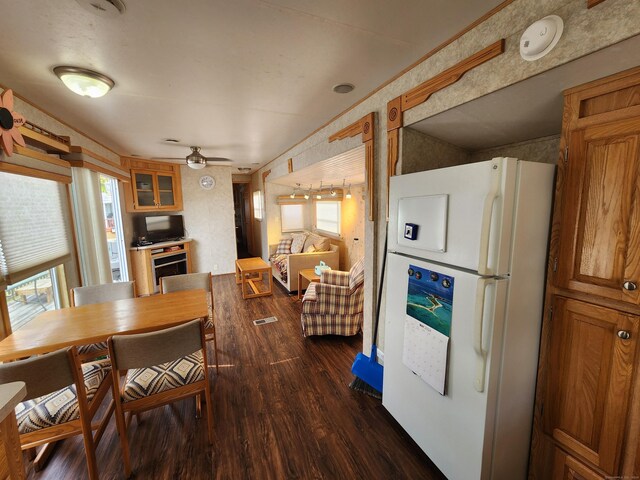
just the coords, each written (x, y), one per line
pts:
(600, 240)
(155, 186)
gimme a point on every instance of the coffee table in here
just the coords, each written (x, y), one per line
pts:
(250, 270)
(309, 274)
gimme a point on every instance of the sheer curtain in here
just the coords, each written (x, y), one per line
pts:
(90, 228)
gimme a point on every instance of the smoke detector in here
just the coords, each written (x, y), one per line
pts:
(103, 8)
(541, 37)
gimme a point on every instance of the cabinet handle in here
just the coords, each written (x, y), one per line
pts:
(624, 335)
(629, 286)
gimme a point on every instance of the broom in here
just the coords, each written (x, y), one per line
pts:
(367, 370)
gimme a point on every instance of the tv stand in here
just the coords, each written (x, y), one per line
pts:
(151, 262)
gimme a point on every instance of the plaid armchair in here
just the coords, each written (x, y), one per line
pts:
(334, 306)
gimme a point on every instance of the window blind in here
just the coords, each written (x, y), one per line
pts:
(292, 217)
(328, 217)
(33, 229)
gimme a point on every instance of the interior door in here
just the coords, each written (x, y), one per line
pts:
(602, 204)
(590, 370)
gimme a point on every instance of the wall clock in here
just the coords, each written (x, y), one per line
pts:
(207, 182)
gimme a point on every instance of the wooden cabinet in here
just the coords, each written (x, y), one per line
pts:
(587, 412)
(600, 243)
(151, 262)
(155, 186)
(565, 467)
(587, 402)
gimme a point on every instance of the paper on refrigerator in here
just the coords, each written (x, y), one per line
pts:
(428, 325)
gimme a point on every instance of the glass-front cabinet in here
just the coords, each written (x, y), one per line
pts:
(154, 186)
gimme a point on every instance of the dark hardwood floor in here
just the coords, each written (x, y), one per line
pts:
(282, 409)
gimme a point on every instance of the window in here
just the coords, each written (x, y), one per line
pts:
(113, 228)
(292, 217)
(257, 205)
(32, 296)
(328, 217)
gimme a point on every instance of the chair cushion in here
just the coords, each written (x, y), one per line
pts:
(91, 348)
(284, 247)
(143, 382)
(208, 322)
(61, 406)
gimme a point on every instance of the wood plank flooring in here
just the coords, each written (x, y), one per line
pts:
(282, 409)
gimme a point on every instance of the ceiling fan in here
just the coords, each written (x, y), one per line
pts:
(196, 160)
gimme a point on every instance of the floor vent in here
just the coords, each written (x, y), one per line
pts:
(262, 321)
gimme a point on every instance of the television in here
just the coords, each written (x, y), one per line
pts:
(161, 228)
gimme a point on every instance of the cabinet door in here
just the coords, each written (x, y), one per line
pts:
(566, 467)
(590, 370)
(166, 191)
(600, 241)
(143, 189)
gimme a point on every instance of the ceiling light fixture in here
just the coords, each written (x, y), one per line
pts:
(332, 192)
(541, 37)
(344, 88)
(308, 194)
(293, 193)
(349, 192)
(81, 81)
(195, 159)
(319, 194)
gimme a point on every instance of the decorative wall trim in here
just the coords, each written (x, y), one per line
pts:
(593, 3)
(27, 152)
(265, 174)
(290, 165)
(366, 127)
(421, 94)
(90, 153)
(44, 139)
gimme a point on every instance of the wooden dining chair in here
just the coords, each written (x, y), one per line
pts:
(106, 292)
(63, 397)
(159, 368)
(195, 281)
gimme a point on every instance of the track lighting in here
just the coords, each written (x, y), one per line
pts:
(319, 194)
(332, 192)
(349, 192)
(308, 194)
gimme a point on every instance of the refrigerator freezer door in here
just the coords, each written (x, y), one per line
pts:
(455, 429)
(471, 229)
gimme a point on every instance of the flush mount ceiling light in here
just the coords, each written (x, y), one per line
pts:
(86, 83)
(195, 159)
(343, 88)
(541, 37)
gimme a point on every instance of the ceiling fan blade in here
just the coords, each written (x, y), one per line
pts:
(218, 159)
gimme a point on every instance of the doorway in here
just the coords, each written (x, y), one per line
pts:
(242, 219)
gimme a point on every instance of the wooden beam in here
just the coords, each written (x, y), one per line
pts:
(392, 159)
(45, 140)
(422, 92)
(97, 156)
(369, 163)
(100, 169)
(593, 3)
(290, 165)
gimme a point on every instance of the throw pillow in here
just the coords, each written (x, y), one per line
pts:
(323, 245)
(284, 247)
(312, 239)
(298, 242)
(310, 249)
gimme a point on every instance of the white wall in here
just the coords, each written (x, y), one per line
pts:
(208, 219)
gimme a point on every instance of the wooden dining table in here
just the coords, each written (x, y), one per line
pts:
(94, 323)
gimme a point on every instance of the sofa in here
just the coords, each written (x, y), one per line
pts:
(285, 266)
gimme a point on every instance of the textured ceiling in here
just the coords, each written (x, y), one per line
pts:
(244, 79)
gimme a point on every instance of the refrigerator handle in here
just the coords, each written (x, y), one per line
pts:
(487, 216)
(478, 326)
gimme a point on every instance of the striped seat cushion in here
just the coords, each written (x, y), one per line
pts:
(208, 322)
(142, 382)
(91, 348)
(61, 406)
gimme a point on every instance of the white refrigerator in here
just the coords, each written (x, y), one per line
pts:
(466, 271)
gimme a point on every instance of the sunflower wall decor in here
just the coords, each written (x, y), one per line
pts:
(9, 123)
